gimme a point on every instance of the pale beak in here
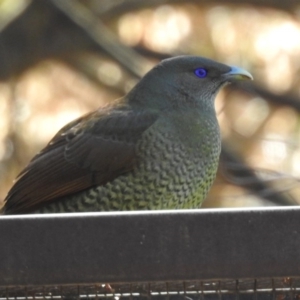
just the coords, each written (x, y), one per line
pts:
(237, 74)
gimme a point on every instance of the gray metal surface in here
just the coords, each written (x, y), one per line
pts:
(149, 246)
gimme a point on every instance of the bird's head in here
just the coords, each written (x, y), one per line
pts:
(184, 81)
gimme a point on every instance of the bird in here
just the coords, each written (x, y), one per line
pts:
(156, 148)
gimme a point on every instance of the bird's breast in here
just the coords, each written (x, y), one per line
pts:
(179, 161)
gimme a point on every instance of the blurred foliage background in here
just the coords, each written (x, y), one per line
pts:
(61, 59)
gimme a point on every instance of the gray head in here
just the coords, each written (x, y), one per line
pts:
(182, 81)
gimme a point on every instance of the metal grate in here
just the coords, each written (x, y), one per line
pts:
(281, 289)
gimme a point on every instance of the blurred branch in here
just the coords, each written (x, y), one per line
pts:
(10, 10)
(95, 29)
(278, 99)
(65, 29)
(87, 67)
(153, 54)
(237, 172)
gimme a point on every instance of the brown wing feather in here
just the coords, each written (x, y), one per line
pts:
(91, 150)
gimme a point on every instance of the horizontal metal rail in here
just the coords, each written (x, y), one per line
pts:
(205, 244)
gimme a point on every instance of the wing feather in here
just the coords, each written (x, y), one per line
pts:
(89, 151)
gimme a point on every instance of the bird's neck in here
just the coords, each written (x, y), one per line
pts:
(174, 98)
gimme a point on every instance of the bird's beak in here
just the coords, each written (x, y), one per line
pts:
(237, 74)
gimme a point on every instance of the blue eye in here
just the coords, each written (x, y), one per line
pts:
(201, 72)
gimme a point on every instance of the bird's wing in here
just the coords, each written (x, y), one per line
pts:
(89, 151)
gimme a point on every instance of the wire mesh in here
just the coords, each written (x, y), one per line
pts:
(256, 289)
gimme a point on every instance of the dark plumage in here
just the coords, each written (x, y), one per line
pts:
(156, 148)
